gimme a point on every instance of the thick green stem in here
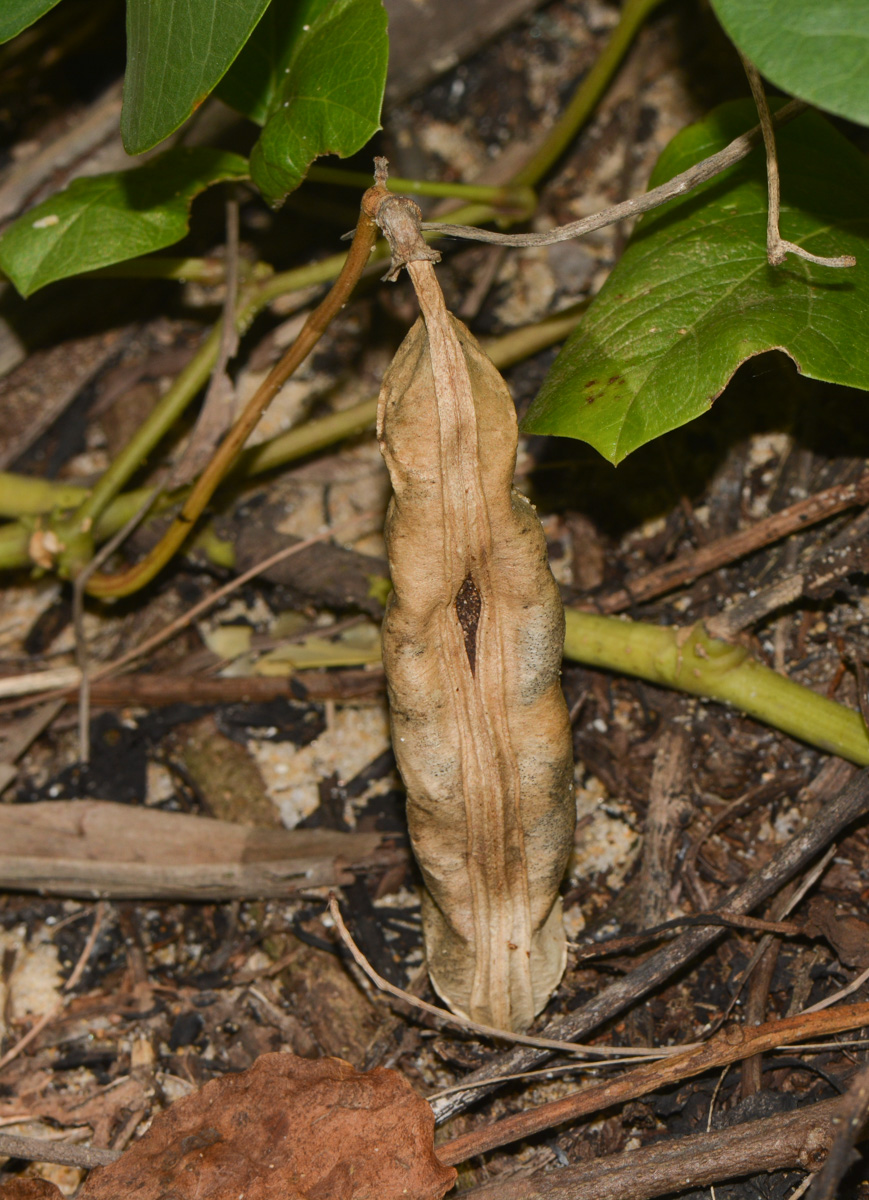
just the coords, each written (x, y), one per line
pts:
(692, 661)
(26, 495)
(588, 93)
(209, 271)
(42, 497)
(503, 197)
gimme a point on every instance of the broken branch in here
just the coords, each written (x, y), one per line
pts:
(797, 1139)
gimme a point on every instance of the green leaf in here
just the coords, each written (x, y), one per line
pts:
(252, 83)
(18, 14)
(106, 219)
(329, 100)
(177, 50)
(815, 49)
(693, 296)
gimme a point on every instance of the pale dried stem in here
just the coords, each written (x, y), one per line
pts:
(643, 1053)
(679, 185)
(777, 248)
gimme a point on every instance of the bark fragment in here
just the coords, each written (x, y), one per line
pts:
(472, 645)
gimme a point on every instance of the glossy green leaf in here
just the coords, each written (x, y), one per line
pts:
(815, 49)
(104, 219)
(693, 296)
(177, 50)
(330, 97)
(252, 83)
(16, 15)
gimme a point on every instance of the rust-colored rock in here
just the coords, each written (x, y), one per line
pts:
(30, 1189)
(288, 1129)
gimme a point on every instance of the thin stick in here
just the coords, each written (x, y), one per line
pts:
(65, 678)
(853, 1119)
(802, 1188)
(835, 815)
(91, 941)
(451, 1018)
(679, 185)
(841, 994)
(622, 945)
(728, 1047)
(798, 1139)
(725, 550)
(788, 904)
(777, 249)
(543, 1073)
(32, 1033)
(137, 576)
(42, 1150)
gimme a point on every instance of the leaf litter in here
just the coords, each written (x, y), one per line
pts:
(178, 994)
(287, 1129)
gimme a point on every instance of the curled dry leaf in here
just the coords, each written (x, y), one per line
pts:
(847, 934)
(472, 645)
(287, 1129)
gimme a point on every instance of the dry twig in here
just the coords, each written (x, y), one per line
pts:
(679, 185)
(725, 550)
(462, 1022)
(835, 815)
(777, 248)
(797, 1139)
(66, 1155)
(732, 1045)
(852, 1122)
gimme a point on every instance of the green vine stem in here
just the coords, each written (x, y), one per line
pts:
(508, 196)
(208, 271)
(565, 130)
(137, 576)
(28, 495)
(24, 496)
(691, 661)
(589, 92)
(77, 533)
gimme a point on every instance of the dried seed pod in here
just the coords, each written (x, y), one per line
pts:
(472, 645)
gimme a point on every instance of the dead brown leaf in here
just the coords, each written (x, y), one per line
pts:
(103, 1110)
(288, 1129)
(848, 935)
(30, 1189)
